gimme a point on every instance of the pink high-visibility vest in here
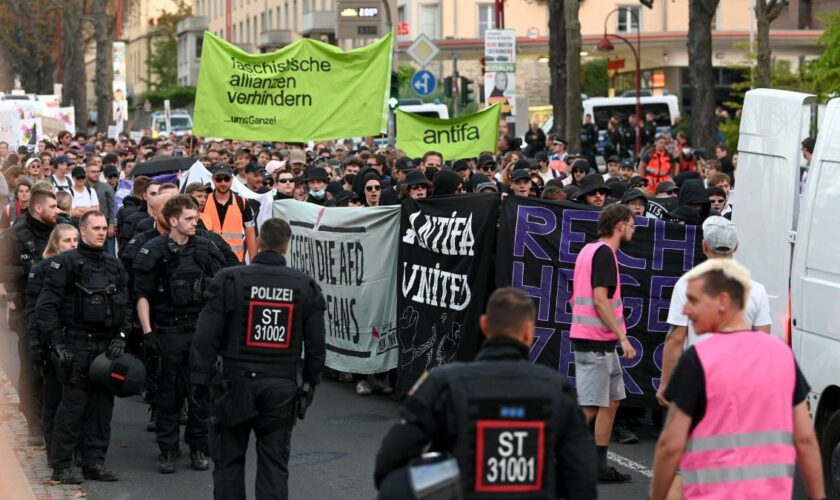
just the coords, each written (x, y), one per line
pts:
(743, 447)
(586, 324)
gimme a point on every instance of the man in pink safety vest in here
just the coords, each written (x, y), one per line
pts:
(738, 421)
(597, 324)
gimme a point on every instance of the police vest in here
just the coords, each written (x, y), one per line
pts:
(268, 334)
(505, 438)
(99, 302)
(186, 273)
(30, 247)
(658, 169)
(743, 447)
(586, 324)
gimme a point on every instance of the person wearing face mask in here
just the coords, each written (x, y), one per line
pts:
(317, 180)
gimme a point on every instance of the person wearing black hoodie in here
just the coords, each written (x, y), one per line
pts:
(360, 182)
(131, 203)
(129, 224)
(447, 182)
(693, 195)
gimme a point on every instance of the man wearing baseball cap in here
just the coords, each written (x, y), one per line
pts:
(59, 178)
(720, 241)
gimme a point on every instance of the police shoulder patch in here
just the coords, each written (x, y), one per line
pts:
(55, 265)
(144, 251)
(419, 382)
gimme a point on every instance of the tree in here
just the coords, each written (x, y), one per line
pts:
(824, 72)
(766, 11)
(574, 108)
(27, 37)
(557, 64)
(701, 72)
(103, 26)
(594, 79)
(74, 84)
(163, 58)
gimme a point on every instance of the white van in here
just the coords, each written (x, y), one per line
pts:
(791, 243)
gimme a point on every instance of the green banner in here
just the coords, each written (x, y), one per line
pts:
(307, 91)
(456, 138)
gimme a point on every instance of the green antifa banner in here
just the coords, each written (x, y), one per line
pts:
(456, 138)
(352, 254)
(304, 92)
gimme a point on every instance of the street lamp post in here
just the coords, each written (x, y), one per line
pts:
(606, 46)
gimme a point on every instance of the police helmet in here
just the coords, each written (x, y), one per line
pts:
(124, 376)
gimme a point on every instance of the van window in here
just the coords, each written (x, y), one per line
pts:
(824, 245)
(602, 114)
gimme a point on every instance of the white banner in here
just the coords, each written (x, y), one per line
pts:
(352, 254)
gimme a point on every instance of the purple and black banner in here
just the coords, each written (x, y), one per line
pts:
(538, 243)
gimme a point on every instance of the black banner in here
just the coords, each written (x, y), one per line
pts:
(445, 274)
(538, 244)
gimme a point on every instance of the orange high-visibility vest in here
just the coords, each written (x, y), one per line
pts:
(233, 228)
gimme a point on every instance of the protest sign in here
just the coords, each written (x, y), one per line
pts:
(464, 137)
(306, 91)
(538, 244)
(352, 254)
(444, 277)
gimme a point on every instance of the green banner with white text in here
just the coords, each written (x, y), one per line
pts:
(306, 91)
(456, 138)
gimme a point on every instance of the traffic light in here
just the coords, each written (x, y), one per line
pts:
(394, 99)
(467, 91)
(647, 3)
(447, 86)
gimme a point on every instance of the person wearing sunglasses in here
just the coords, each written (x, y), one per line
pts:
(416, 186)
(717, 197)
(487, 165)
(229, 215)
(284, 185)
(593, 190)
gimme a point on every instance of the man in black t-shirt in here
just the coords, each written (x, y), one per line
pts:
(738, 402)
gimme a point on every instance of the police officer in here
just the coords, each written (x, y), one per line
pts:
(22, 247)
(259, 319)
(127, 226)
(63, 238)
(738, 424)
(171, 274)
(83, 305)
(495, 415)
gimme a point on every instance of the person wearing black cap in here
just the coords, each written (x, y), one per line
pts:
(59, 178)
(580, 168)
(84, 198)
(593, 190)
(391, 194)
(636, 200)
(626, 169)
(521, 182)
(368, 186)
(543, 169)
(666, 195)
(317, 180)
(254, 173)
(482, 184)
(463, 169)
(347, 199)
(416, 186)
(487, 165)
(230, 215)
(612, 168)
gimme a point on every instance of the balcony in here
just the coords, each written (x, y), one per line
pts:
(318, 22)
(275, 39)
(191, 24)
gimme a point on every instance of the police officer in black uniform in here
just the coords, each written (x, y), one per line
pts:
(22, 247)
(171, 274)
(515, 428)
(83, 305)
(259, 319)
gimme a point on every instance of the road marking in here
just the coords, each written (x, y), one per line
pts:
(630, 464)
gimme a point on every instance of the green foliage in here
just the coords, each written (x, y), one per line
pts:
(824, 72)
(730, 130)
(179, 97)
(594, 80)
(163, 58)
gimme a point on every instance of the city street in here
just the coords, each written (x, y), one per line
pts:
(333, 451)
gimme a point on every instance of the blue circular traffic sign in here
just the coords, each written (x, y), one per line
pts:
(423, 82)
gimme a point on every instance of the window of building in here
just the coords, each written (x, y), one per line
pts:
(401, 14)
(305, 6)
(234, 39)
(486, 18)
(198, 41)
(430, 20)
(256, 30)
(295, 15)
(286, 16)
(247, 37)
(628, 19)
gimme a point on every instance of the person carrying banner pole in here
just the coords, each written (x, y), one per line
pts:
(738, 424)
(597, 323)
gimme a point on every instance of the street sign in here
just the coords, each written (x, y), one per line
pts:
(422, 50)
(500, 50)
(423, 82)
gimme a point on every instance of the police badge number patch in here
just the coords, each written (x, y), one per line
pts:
(510, 456)
(269, 325)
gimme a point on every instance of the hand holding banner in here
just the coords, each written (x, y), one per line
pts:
(456, 138)
(306, 91)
